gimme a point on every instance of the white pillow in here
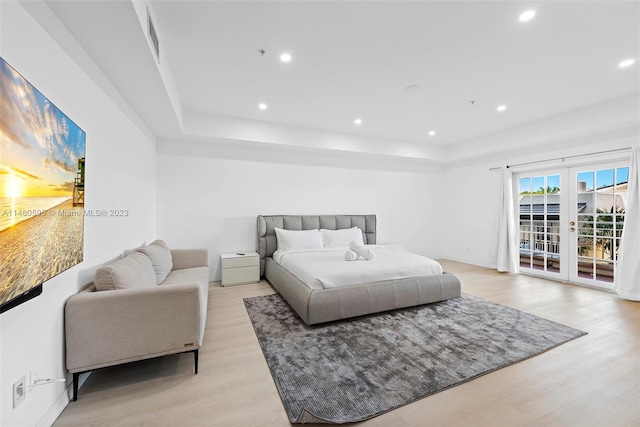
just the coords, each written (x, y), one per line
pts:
(340, 238)
(291, 240)
(160, 256)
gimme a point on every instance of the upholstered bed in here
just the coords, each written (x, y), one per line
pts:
(316, 304)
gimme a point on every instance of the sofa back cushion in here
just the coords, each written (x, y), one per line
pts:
(160, 256)
(133, 271)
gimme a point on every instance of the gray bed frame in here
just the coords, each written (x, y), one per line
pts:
(316, 304)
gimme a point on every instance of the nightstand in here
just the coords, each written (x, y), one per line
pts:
(239, 268)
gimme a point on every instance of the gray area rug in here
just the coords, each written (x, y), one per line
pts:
(353, 370)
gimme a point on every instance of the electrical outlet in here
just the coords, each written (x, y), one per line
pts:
(19, 392)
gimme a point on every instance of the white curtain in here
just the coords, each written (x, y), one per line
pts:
(508, 252)
(627, 283)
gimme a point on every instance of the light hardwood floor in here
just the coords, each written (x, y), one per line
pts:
(591, 381)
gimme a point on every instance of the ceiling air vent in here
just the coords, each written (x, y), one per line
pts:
(153, 36)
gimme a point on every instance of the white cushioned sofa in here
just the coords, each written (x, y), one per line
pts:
(150, 303)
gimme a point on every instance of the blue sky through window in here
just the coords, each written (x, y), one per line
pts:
(623, 175)
(534, 184)
(603, 178)
(600, 178)
(553, 181)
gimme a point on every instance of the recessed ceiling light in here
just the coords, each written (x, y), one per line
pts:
(432, 133)
(358, 121)
(262, 106)
(285, 57)
(627, 63)
(527, 16)
(501, 107)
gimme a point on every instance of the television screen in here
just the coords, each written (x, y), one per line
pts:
(41, 189)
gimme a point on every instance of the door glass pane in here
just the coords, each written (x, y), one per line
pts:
(604, 178)
(586, 245)
(585, 268)
(622, 177)
(525, 222)
(525, 186)
(605, 193)
(585, 192)
(604, 271)
(553, 184)
(538, 185)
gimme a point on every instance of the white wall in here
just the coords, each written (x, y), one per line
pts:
(213, 202)
(120, 174)
(472, 214)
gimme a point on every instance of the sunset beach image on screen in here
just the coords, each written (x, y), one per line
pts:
(41, 187)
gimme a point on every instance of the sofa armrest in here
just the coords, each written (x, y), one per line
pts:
(189, 258)
(112, 327)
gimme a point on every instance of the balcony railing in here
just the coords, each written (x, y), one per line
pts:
(540, 246)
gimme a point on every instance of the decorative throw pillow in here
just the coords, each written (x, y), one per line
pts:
(341, 238)
(130, 251)
(132, 271)
(291, 240)
(160, 256)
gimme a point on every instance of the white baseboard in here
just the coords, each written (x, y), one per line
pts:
(55, 410)
(466, 261)
(63, 400)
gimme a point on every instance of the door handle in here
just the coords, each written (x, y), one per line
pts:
(572, 223)
(572, 229)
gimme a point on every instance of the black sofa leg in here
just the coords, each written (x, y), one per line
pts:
(76, 377)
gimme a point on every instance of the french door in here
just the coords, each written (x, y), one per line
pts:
(542, 217)
(571, 221)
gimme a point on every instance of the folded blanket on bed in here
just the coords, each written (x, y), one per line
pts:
(350, 255)
(362, 251)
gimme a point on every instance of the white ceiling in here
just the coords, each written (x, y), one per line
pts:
(353, 59)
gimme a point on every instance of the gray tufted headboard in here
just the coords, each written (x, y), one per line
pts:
(268, 223)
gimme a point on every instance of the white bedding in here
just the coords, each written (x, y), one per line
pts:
(327, 268)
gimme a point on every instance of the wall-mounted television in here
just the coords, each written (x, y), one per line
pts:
(42, 169)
